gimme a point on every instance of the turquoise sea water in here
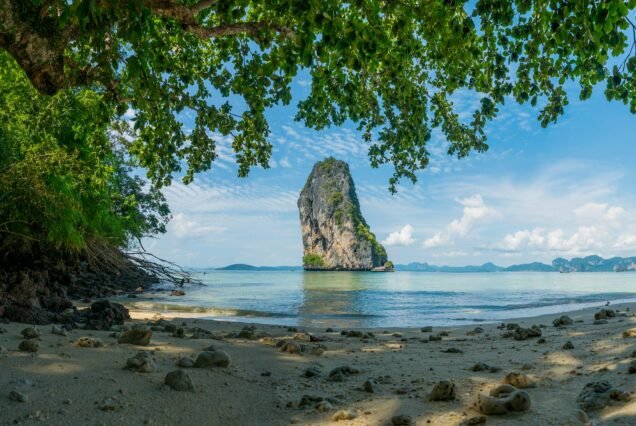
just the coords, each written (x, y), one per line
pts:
(400, 299)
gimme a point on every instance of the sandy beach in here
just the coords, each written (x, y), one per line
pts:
(392, 373)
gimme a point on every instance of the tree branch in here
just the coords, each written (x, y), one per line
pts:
(202, 5)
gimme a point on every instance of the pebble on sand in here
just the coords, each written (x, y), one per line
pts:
(28, 346)
(89, 342)
(136, 336)
(502, 400)
(444, 390)
(344, 415)
(212, 359)
(179, 380)
(30, 333)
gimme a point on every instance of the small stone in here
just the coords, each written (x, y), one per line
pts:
(541, 341)
(476, 420)
(329, 330)
(562, 321)
(427, 329)
(433, 338)
(354, 333)
(89, 342)
(369, 386)
(444, 390)
(604, 314)
(324, 406)
(18, 396)
(30, 333)
(179, 332)
(185, 362)
(344, 415)
(312, 372)
(170, 328)
(139, 336)
(28, 346)
(594, 396)
(59, 331)
(480, 366)
(629, 333)
(453, 351)
(502, 400)
(291, 347)
(212, 359)
(632, 367)
(179, 380)
(521, 333)
(568, 346)
(142, 362)
(401, 420)
(519, 380)
(475, 331)
(340, 373)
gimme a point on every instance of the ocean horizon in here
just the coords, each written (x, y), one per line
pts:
(399, 299)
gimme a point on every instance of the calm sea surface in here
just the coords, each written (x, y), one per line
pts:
(400, 299)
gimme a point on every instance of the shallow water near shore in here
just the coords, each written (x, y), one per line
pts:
(400, 299)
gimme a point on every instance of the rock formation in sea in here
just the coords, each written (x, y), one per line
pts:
(335, 235)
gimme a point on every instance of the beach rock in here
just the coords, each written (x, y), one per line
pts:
(354, 333)
(339, 374)
(594, 396)
(568, 346)
(291, 347)
(103, 314)
(324, 406)
(629, 333)
(503, 399)
(344, 415)
(604, 314)
(444, 390)
(139, 336)
(541, 341)
(16, 396)
(632, 367)
(475, 331)
(142, 362)
(312, 372)
(179, 380)
(309, 401)
(512, 326)
(453, 351)
(519, 380)
(177, 293)
(480, 366)
(401, 420)
(427, 329)
(335, 235)
(521, 333)
(59, 331)
(179, 333)
(109, 404)
(247, 334)
(185, 362)
(475, 420)
(369, 386)
(432, 338)
(212, 359)
(89, 342)
(30, 333)
(170, 328)
(28, 346)
(562, 321)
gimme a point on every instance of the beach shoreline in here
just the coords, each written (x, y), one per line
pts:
(68, 384)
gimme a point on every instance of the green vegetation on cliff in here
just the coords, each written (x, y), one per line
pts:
(313, 260)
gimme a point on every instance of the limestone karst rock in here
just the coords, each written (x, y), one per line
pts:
(335, 235)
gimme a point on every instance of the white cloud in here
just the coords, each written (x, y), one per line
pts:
(556, 241)
(475, 210)
(599, 211)
(284, 163)
(182, 226)
(403, 237)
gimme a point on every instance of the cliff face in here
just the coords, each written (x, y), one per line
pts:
(335, 235)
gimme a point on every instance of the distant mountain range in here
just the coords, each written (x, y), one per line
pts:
(578, 264)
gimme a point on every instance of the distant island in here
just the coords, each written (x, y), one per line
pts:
(578, 264)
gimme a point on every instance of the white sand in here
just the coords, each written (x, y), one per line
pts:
(69, 383)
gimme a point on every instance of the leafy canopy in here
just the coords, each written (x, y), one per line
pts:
(63, 182)
(390, 66)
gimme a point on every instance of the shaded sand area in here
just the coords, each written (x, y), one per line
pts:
(278, 376)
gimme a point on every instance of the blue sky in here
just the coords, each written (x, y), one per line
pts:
(535, 195)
